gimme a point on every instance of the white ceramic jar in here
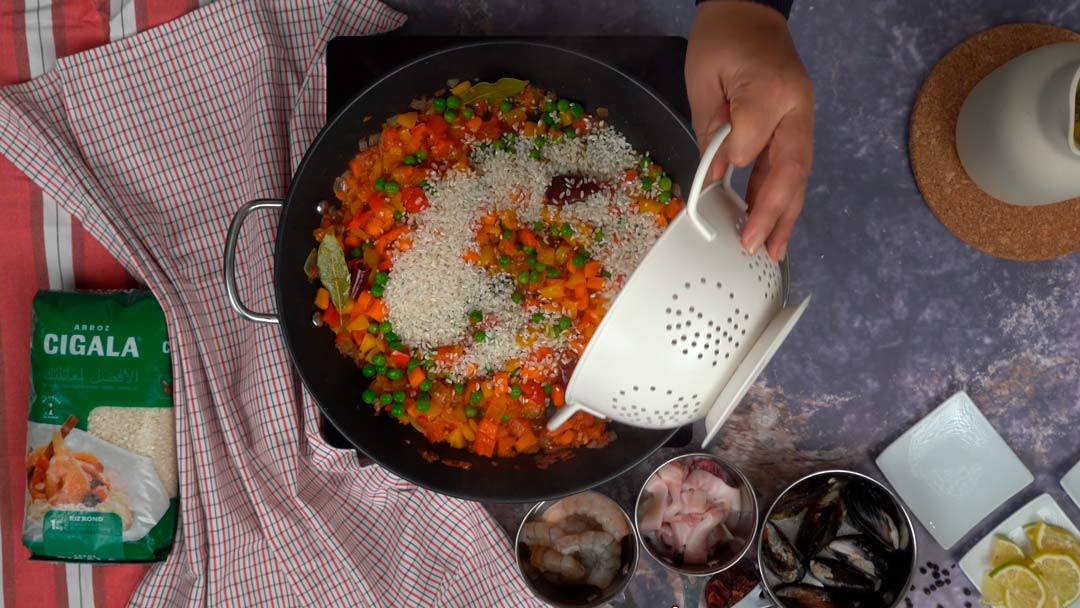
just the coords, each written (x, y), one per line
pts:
(1014, 134)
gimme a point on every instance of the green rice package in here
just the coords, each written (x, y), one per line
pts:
(101, 481)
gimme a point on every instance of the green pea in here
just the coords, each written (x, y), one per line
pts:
(598, 236)
(534, 153)
(534, 276)
(439, 103)
(564, 323)
(393, 187)
(450, 115)
(386, 327)
(397, 346)
(664, 197)
(428, 363)
(523, 276)
(499, 144)
(517, 297)
(646, 183)
(577, 109)
(538, 226)
(480, 335)
(579, 260)
(515, 391)
(369, 396)
(528, 250)
(373, 328)
(368, 371)
(399, 215)
(505, 105)
(644, 163)
(423, 402)
(399, 396)
(549, 119)
(412, 364)
(386, 398)
(552, 272)
(377, 291)
(421, 155)
(453, 102)
(476, 316)
(562, 105)
(547, 387)
(468, 113)
(382, 277)
(538, 317)
(567, 231)
(549, 106)
(356, 252)
(379, 359)
(471, 411)
(585, 253)
(570, 133)
(394, 373)
(665, 183)
(540, 267)
(505, 418)
(397, 411)
(425, 385)
(540, 142)
(409, 160)
(391, 337)
(605, 274)
(504, 260)
(507, 233)
(380, 183)
(459, 388)
(475, 397)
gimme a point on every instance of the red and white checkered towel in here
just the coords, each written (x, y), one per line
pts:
(152, 142)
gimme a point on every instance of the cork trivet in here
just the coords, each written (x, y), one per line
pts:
(1016, 232)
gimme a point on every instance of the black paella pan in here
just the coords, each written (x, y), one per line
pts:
(333, 380)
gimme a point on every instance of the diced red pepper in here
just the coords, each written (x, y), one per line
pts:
(414, 199)
(398, 358)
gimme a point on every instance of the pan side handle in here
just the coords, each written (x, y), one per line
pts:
(230, 258)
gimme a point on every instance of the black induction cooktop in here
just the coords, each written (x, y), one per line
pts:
(355, 62)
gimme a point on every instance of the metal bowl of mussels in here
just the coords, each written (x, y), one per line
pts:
(837, 539)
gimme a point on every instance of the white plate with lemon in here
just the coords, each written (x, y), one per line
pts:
(1032, 560)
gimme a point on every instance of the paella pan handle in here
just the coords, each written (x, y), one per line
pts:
(230, 258)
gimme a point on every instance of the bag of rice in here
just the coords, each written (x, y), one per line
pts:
(101, 481)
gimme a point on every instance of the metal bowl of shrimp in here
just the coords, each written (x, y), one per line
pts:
(696, 515)
(577, 552)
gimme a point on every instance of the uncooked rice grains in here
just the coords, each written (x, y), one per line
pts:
(101, 479)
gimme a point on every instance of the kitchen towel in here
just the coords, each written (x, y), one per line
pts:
(152, 142)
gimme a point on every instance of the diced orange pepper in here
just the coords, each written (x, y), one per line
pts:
(672, 208)
(592, 269)
(527, 238)
(486, 437)
(565, 438)
(377, 311)
(363, 302)
(580, 292)
(474, 123)
(352, 241)
(529, 129)
(505, 447)
(595, 283)
(416, 376)
(358, 323)
(331, 316)
(386, 239)
(526, 442)
(501, 383)
(471, 256)
(322, 298)
(558, 395)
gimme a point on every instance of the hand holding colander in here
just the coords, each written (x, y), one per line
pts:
(694, 325)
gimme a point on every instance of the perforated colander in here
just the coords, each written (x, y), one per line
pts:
(694, 325)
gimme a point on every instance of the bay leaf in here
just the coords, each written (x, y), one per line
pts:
(333, 272)
(494, 91)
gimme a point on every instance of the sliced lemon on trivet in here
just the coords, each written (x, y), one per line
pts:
(1003, 551)
(1033, 532)
(1022, 586)
(1060, 573)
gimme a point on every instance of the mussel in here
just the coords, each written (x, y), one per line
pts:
(834, 573)
(859, 553)
(780, 556)
(868, 509)
(805, 596)
(799, 498)
(821, 523)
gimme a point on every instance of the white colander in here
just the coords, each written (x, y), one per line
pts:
(694, 325)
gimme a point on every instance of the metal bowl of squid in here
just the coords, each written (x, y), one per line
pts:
(565, 594)
(734, 527)
(837, 539)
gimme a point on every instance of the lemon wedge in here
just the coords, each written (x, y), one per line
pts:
(1060, 573)
(1022, 585)
(1004, 551)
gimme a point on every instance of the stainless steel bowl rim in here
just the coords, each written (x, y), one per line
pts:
(604, 598)
(899, 506)
(749, 541)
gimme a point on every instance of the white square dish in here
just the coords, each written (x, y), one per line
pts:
(953, 469)
(1044, 508)
(1071, 483)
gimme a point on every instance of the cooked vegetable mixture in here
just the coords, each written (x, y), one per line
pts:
(473, 249)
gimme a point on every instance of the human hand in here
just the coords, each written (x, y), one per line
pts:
(742, 68)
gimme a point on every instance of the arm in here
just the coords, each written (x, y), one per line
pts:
(742, 68)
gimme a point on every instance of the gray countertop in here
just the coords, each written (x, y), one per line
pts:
(904, 314)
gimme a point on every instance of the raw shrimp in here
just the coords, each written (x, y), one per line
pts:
(595, 506)
(598, 551)
(541, 533)
(576, 525)
(551, 561)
